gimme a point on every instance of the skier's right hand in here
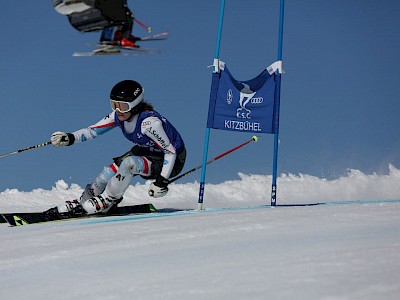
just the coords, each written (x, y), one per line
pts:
(159, 188)
(60, 138)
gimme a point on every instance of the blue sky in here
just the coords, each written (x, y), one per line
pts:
(339, 98)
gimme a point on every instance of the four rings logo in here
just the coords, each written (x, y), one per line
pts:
(257, 100)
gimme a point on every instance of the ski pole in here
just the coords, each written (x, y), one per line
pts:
(253, 139)
(148, 28)
(26, 149)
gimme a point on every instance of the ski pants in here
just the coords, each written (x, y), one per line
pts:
(115, 179)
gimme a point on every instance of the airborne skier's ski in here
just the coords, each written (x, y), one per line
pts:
(113, 48)
(18, 219)
(116, 50)
(155, 37)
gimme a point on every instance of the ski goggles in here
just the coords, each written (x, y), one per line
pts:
(122, 106)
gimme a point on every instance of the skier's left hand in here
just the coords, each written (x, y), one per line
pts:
(159, 188)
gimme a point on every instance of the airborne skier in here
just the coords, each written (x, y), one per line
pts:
(101, 15)
(159, 152)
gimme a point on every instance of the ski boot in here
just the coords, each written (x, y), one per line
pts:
(125, 42)
(65, 211)
(100, 204)
(128, 43)
(71, 208)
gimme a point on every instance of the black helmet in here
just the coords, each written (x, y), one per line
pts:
(128, 91)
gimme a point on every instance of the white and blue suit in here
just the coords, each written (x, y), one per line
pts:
(159, 149)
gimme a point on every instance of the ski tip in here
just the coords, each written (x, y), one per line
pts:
(3, 219)
(14, 220)
(152, 208)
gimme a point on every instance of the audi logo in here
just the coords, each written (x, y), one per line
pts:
(257, 100)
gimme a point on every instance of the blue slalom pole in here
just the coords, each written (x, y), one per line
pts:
(277, 106)
(221, 21)
(207, 138)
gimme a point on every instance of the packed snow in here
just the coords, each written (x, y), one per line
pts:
(346, 247)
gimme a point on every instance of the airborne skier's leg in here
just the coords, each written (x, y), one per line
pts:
(107, 34)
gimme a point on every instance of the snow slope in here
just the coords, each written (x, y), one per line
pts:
(238, 248)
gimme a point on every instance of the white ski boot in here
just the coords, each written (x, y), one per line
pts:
(73, 207)
(100, 204)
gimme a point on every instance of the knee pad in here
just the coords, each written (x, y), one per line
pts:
(135, 165)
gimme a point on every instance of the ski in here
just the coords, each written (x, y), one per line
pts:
(117, 50)
(113, 48)
(26, 218)
(155, 37)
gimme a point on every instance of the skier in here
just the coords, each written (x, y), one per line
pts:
(159, 152)
(123, 33)
(100, 15)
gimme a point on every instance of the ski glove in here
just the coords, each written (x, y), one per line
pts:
(60, 138)
(159, 188)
